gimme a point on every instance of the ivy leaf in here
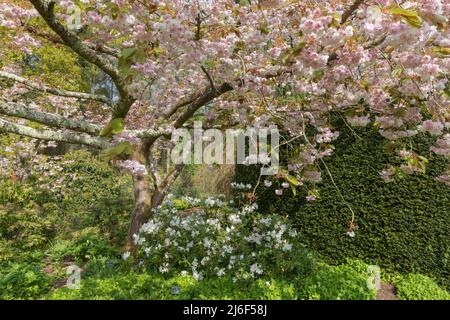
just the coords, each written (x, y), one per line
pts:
(294, 190)
(425, 160)
(264, 28)
(403, 12)
(292, 53)
(442, 51)
(128, 53)
(116, 126)
(126, 61)
(293, 181)
(411, 16)
(124, 148)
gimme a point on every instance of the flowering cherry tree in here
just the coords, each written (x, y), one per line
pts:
(382, 63)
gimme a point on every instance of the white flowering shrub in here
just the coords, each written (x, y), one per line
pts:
(217, 243)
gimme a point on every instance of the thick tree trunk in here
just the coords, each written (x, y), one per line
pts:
(145, 197)
(145, 201)
(142, 207)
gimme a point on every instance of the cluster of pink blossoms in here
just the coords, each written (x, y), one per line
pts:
(290, 63)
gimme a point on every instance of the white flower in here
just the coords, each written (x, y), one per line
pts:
(207, 243)
(279, 192)
(184, 273)
(267, 183)
(293, 233)
(209, 202)
(234, 219)
(221, 272)
(150, 227)
(126, 255)
(287, 247)
(197, 275)
(255, 238)
(227, 249)
(204, 261)
(256, 268)
(250, 209)
(164, 268)
(240, 186)
(138, 240)
(351, 234)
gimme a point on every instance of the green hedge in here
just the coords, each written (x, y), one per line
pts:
(403, 226)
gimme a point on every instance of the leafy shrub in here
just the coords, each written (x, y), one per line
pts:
(403, 225)
(22, 281)
(23, 194)
(93, 193)
(79, 189)
(345, 282)
(218, 241)
(24, 229)
(82, 247)
(112, 279)
(132, 285)
(419, 287)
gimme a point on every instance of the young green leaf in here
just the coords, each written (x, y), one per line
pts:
(411, 16)
(113, 152)
(116, 126)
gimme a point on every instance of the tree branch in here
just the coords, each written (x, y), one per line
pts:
(46, 11)
(369, 45)
(347, 14)
(170, 178)
(182, 103)
(210, 79)
(57, 40)
(163, 187)
(200, 101)
(151, 133)
(49, 135)
(19, 110)
(54, 91)
(195, 102)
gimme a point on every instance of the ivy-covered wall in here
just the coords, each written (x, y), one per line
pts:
(403, 225)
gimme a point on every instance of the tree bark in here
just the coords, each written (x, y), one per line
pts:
(142, 207)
